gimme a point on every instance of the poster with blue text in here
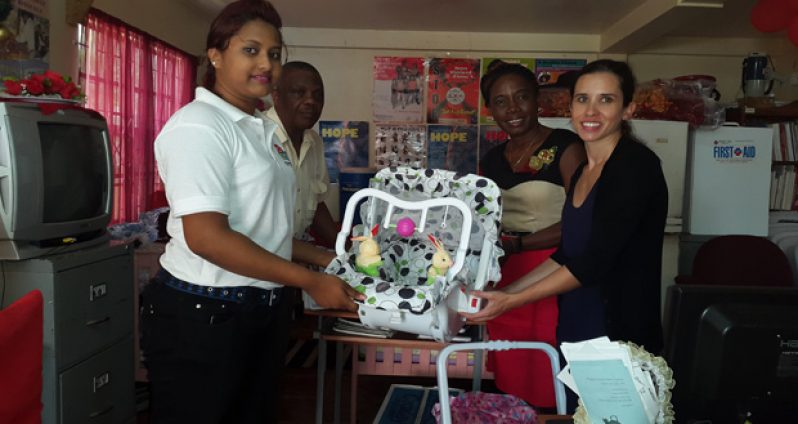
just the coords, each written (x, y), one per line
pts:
(346, 145)
(453, 148)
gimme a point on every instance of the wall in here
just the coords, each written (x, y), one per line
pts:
(173, 21)
(722, 58)
(63, 47)
(344, 56)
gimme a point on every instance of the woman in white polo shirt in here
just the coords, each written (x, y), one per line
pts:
(212, 337)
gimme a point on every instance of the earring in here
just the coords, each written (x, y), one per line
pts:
(213, 63)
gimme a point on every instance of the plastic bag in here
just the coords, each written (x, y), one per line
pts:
(678, 100)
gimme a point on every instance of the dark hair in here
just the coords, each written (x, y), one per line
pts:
(230, 20)
(298, 65)
(626, 80)
(499, 68)
(621, 70)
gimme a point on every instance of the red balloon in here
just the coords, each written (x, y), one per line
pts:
(792, 31)
(771, 15)
(792, 5)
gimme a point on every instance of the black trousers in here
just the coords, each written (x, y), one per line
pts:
(211, 361)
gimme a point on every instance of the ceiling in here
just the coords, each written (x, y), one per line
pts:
(516, 16)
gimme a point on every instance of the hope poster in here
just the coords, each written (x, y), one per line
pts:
(346, 145)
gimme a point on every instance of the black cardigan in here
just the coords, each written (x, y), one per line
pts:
(624, 252)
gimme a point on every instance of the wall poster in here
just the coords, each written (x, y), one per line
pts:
(453, 91)
(24, 37)
(346, 145)
(401, 145)
(453, 148)
(398, 89)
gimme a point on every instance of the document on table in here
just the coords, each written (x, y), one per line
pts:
(612, 387)
(608, 392)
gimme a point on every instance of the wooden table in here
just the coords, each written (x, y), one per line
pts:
(324, 334)
(555, 419)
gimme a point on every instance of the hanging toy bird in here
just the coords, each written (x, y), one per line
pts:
(441, 261)
(368, 259)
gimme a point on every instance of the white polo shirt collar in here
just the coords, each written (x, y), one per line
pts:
(206, 96)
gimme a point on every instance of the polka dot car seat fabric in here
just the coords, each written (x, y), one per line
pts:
(402, 282)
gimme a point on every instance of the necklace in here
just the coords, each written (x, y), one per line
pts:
(533, 144)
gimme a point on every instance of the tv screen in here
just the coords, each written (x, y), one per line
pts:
(734, 353)
(56, 179)
(74, 165)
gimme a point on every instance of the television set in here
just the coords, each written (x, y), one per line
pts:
(56, 188)
(734, 353)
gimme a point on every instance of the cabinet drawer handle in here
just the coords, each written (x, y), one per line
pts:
(100, 381)
(96, 414)
(97, 321)
(97, 291)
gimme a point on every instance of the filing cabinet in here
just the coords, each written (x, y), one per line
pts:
(88, 332)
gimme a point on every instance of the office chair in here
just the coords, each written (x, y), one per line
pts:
(739, 260)
(21, 360)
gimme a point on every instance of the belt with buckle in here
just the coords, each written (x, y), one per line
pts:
(238, 294)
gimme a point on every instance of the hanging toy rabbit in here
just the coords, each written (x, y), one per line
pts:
(441, 261)
(368, 259)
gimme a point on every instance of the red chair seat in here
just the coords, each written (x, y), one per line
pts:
(739, 260)
(21, 360)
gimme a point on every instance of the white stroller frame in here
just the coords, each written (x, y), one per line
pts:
(443, 382)
(445, 322)
(423, 206)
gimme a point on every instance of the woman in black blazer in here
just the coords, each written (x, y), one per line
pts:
(606, 270)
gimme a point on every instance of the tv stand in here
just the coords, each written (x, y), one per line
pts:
(88, 332)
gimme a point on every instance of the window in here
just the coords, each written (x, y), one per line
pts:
(137, 82)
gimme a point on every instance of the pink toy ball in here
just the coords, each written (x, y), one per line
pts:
(405, 227)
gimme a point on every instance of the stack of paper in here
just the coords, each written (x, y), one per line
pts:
(358, 329)
(613, 388)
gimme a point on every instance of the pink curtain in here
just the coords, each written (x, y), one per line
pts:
(137, 82)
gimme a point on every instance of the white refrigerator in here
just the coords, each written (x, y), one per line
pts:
(728, 181)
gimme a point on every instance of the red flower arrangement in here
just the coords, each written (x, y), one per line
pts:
(47, 84)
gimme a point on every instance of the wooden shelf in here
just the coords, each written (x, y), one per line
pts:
(745, 114)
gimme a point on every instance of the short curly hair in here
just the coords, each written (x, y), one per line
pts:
(499, 68)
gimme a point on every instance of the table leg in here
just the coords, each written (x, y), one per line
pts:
(353, 394)
(339, 369)
(321, 367)
(476, 377)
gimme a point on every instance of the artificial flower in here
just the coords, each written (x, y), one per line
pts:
(34, 87)
(49, 83)
(12, 87)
